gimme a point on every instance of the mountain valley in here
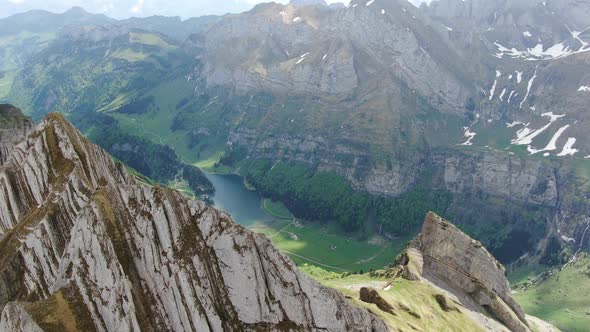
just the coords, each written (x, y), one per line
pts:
(357, 120)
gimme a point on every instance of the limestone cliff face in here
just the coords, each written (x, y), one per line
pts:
(522, 180)
(333, 53)
(13, 128)
(460, 266)
(85, 247)
(499, 174)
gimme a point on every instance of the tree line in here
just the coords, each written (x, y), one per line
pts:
(328, 196)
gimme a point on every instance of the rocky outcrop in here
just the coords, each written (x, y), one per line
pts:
(370, 295)
(13, 128)
(454, 262)
(79, 235)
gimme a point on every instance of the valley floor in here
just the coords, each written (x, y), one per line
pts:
(563, 299)
(329, 248)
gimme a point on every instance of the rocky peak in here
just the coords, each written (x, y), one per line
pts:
(89, 248)
(452, 261)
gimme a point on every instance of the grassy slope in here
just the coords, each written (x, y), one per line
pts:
(416, 296)
(11, 60)
(156, 125)
(563, 299)
(328, 247)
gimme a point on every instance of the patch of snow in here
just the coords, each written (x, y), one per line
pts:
(552, 145)
(526, 135)
(498, 73)
(557, 51)
(568, 149)
(576, 35)
(527, 34)
(514, 123)
(510, 76)
(568, 239)
(502, 94)
(324, 57)
(404, 10)
(528, 89)
(296, 19)
(301, 58)
(518, 76)
(493, 89)
(584, 88)
(546, 154)
(369, 3)
(470, 135)
(553, 117)
(382, 11)
(510, 96)
(449, 28)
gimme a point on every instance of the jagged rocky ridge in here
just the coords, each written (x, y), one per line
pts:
(83, 246)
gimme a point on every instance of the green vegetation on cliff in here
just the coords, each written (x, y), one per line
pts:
(155, 161)
(327, 196)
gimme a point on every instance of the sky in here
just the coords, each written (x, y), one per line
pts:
(127, 8)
